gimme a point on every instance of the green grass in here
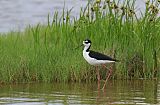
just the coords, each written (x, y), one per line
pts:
(45, 53)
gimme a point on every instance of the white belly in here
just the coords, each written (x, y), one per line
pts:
(93, 61)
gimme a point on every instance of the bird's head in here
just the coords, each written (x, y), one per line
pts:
(87, 43)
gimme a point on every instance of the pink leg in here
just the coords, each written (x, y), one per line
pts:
(98, 77)
(109, 74)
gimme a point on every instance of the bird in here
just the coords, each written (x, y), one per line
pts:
(95, 58)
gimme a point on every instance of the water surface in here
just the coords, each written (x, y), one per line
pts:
(139, 92)
(17, 14)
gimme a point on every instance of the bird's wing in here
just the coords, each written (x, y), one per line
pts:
(100, 56)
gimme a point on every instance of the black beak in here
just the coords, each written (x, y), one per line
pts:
(79, 46)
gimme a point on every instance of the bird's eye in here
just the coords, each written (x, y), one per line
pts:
(86, 42)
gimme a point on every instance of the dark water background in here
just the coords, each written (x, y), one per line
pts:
(135, 92)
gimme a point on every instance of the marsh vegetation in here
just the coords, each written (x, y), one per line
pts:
(45, 53)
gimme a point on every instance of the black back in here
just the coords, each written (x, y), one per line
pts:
(100, 56)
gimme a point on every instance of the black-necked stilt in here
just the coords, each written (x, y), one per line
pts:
(96, 59)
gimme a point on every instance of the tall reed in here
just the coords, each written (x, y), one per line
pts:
(45, 53)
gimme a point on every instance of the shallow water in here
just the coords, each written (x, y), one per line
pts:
(139, 92)
(17, 14)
